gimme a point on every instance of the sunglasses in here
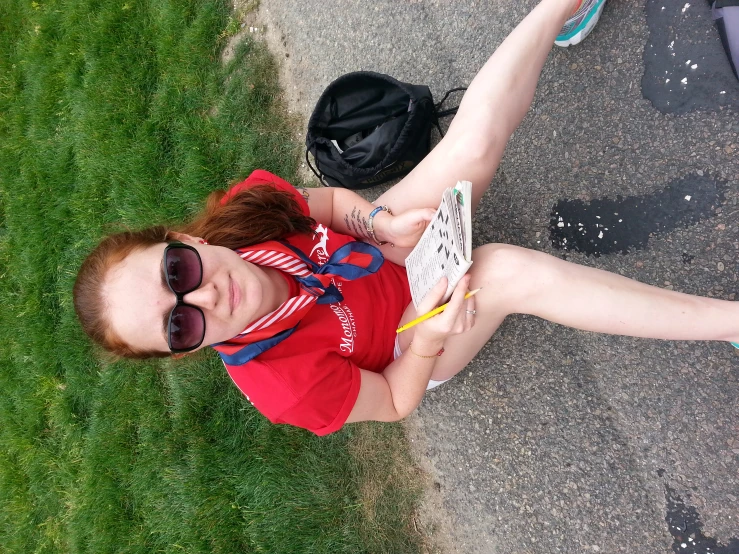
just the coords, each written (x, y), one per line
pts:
(183, 272)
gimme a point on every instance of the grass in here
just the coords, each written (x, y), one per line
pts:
(120, 113)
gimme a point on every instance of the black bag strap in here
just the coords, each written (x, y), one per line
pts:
(316, 171)
(450, 111)
(439, 113)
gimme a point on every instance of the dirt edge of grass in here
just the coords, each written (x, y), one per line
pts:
(254, 19)
(406, 466)
(433, 517)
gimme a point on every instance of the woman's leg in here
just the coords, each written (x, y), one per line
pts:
(493, 106)
(518, 280)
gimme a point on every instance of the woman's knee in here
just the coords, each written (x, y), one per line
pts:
(472, 148)
(511, 271)
(501, 262)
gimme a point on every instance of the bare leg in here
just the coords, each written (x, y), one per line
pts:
(493, 106)
(517, 280)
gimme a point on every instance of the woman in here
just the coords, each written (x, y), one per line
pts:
(306, 324)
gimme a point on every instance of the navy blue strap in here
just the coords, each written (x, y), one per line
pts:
(334, 266)
(251, 351)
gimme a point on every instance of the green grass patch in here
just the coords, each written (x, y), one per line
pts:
(120, 113)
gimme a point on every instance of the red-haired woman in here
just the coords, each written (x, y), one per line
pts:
(304, 316)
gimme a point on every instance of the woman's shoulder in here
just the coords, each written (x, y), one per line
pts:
(310, 388)
(263, 177)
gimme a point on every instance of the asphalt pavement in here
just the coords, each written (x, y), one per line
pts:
(556, 440)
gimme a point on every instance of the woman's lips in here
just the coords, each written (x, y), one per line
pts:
(235, 296)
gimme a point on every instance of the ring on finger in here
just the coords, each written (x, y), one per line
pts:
(473, 312)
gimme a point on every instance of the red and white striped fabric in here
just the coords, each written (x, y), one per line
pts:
(276, 255)
(353, 260)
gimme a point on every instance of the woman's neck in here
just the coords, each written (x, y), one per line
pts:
(277, 288)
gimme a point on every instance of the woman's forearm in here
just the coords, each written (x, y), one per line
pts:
(409, 375)
(346, 212)
(351, 216)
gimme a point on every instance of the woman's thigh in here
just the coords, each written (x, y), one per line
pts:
(460, 156)
(495, 269)
(466, 153)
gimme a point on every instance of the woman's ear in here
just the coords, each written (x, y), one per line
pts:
(184, 237)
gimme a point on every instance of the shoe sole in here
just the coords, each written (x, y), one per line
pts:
(580, 35)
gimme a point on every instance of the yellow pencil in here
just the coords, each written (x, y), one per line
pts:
(433, 312)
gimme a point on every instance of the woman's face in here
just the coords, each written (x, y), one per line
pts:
(232, 294)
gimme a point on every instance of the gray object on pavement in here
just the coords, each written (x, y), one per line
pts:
(726, 15)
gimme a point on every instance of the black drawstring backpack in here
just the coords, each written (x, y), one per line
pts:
(726, 15)
(368, 128)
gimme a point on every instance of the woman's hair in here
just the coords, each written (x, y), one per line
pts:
(89, 304)
(254, 215)
(251, 216)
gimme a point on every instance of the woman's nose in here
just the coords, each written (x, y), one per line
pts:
(205, 297)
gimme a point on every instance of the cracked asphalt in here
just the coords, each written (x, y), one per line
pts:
(556, 440)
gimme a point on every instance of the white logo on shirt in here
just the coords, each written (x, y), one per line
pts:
(343, 312)
(348, 327)
(321, 248)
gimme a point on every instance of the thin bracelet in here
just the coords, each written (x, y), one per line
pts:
(371, 223)
(439, 353)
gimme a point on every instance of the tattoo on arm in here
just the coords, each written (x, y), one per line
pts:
(305, 194)
(357, 224)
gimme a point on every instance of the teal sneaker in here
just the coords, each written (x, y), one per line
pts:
(735, 345)
(581, 23)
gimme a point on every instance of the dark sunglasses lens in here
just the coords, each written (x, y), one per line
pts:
(184, 271)
(186, 328)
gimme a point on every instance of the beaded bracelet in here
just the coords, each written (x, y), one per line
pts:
(439, 353)
(371, 223)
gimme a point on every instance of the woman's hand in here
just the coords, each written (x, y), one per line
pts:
(405, 229)
(457, 318)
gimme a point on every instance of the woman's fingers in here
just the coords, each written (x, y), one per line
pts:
(455, 317)
(421, 216)
(433, 297)
(466, 317)
(406, 228)
(470, 313)
(427, 214)
(457, 301)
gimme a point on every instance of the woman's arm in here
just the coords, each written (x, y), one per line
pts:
(395, 393)
(346, 212)
(343, 211)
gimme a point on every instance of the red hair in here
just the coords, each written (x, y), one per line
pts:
(254, 215)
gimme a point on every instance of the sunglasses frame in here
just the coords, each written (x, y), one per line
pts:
(180, 296)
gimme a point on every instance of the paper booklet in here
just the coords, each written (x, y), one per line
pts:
(445, 248)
